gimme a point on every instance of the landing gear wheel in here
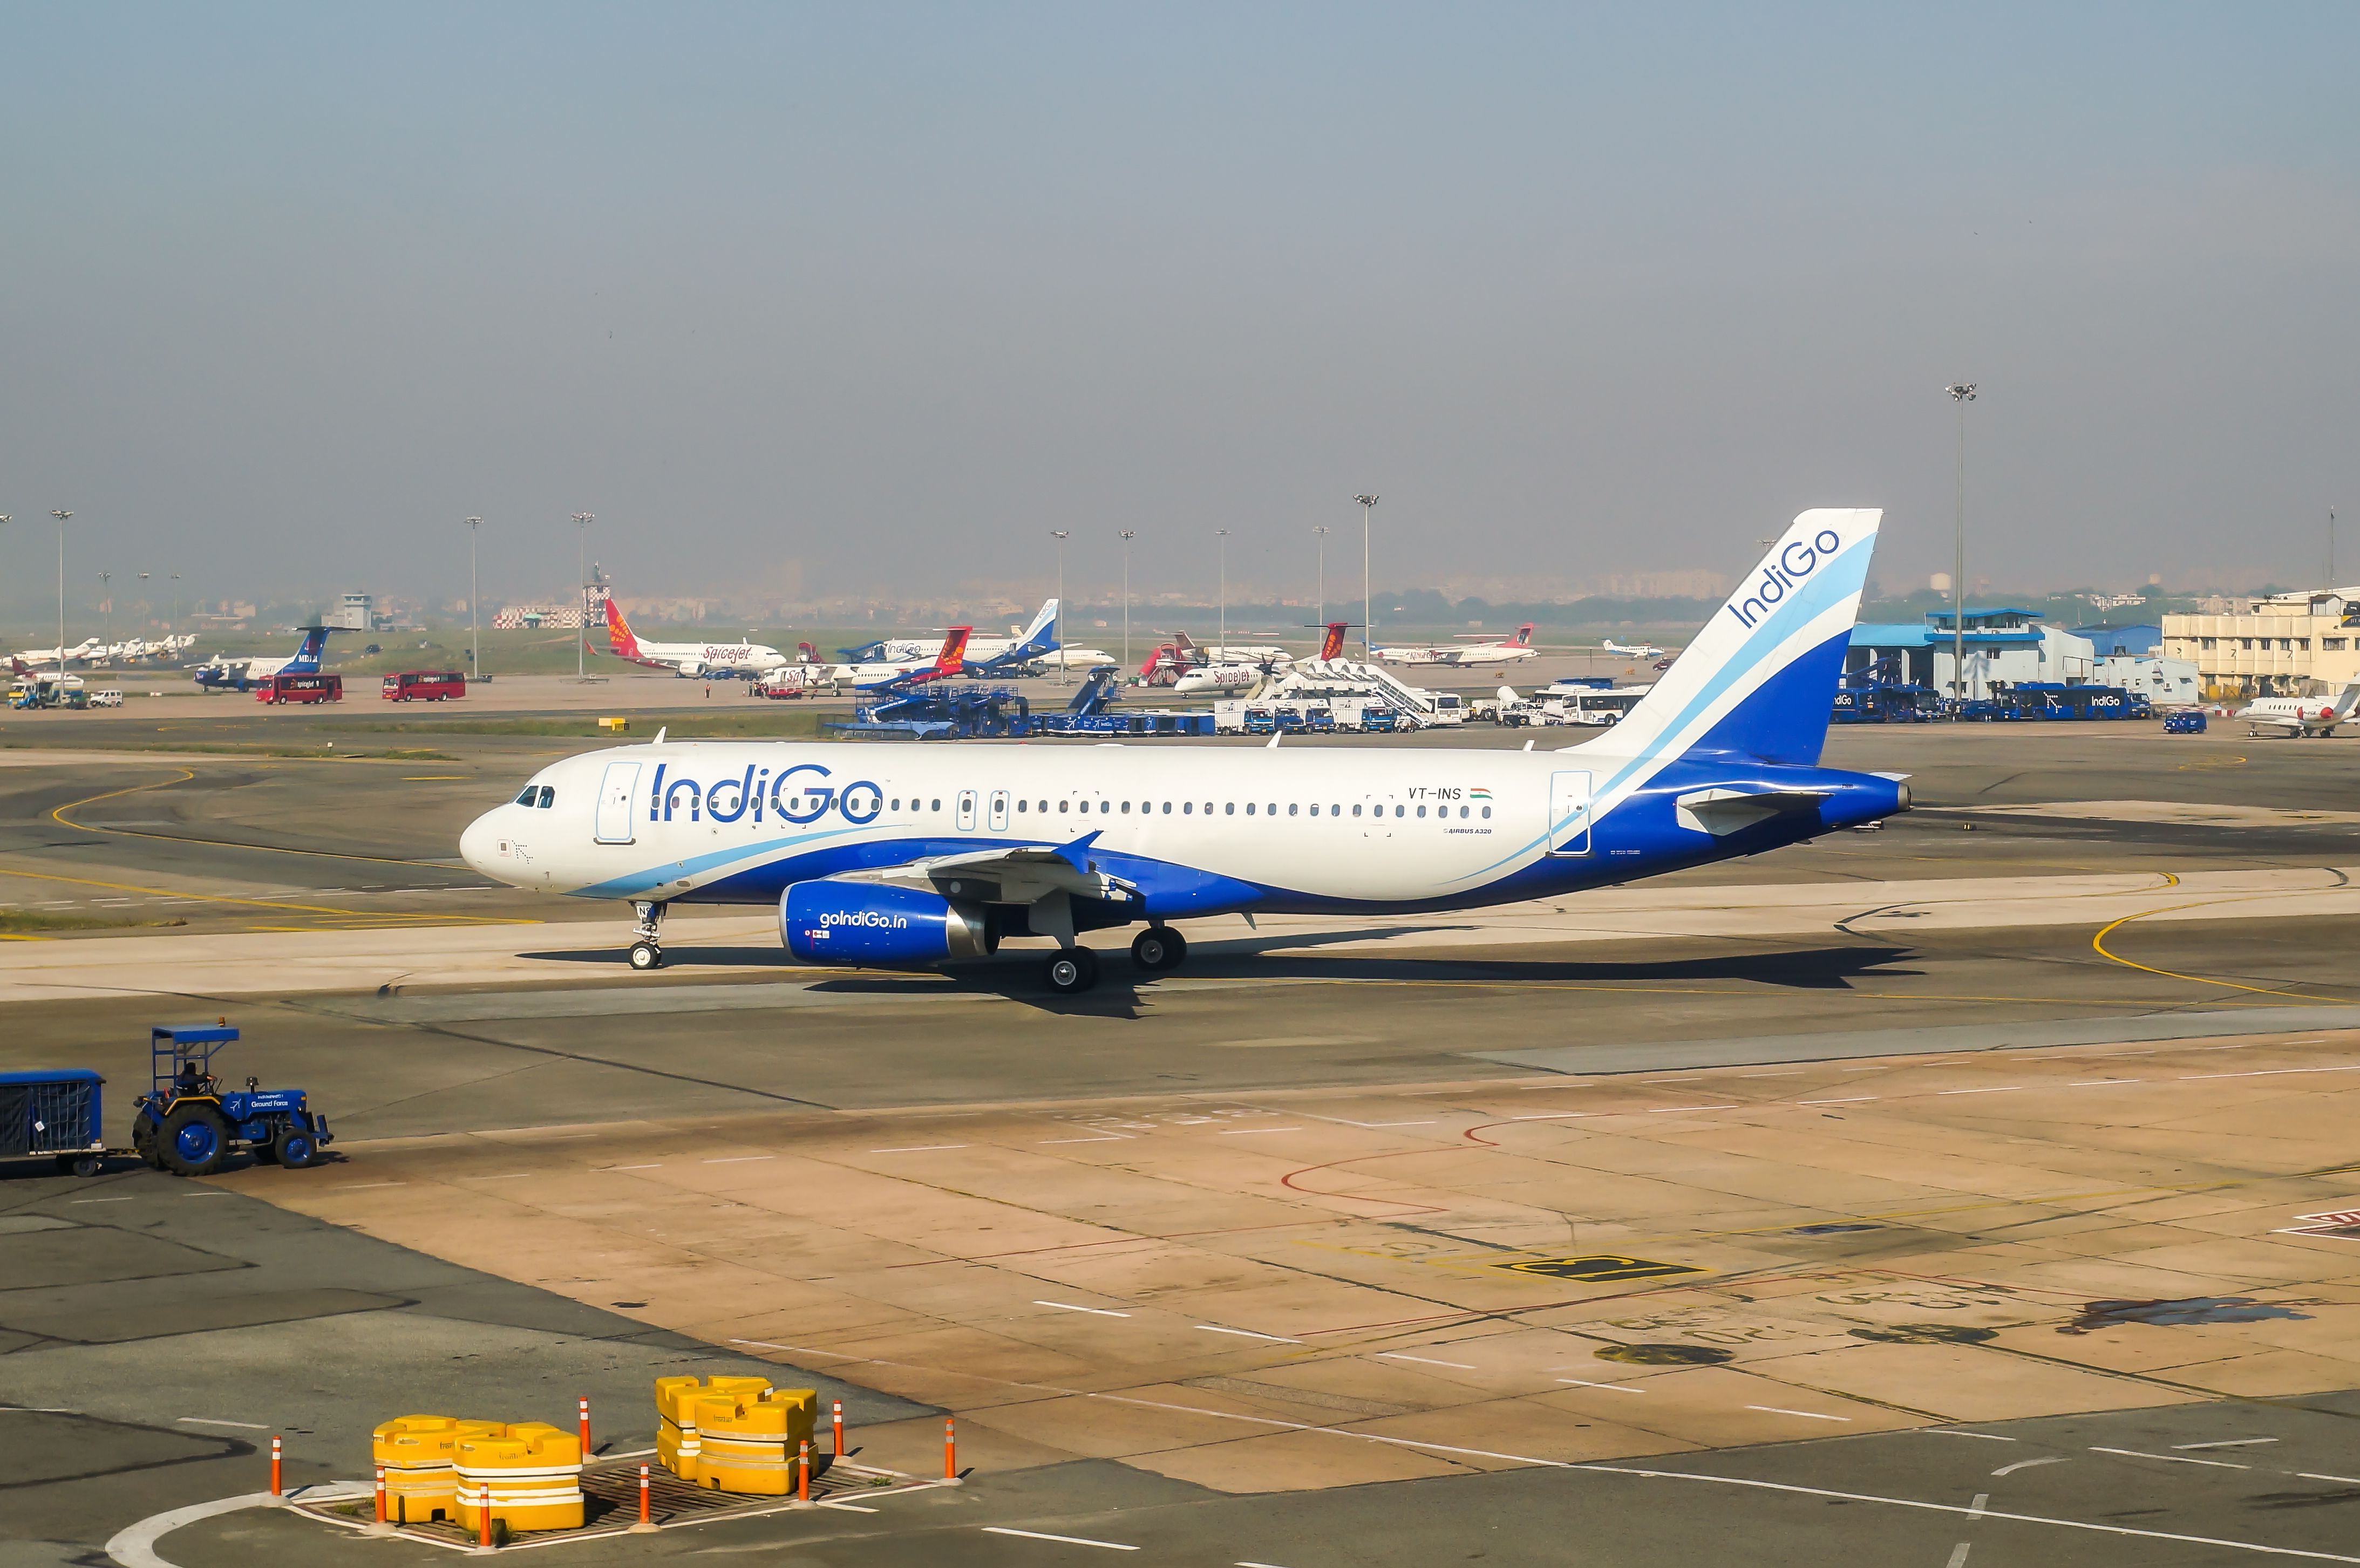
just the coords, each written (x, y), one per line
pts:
(1072, 971)
(1159, 949)
(294, 1148)
(646, 955)
(195, 1140)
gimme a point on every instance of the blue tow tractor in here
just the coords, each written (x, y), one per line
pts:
(188, 1124)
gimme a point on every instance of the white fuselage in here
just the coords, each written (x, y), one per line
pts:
(694, 659)
(1216, 678)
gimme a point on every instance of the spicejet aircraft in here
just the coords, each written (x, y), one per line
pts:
(1469, 649)
(689, 659)
(906, 856)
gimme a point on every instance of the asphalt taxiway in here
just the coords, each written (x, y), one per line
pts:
(1964, 1179)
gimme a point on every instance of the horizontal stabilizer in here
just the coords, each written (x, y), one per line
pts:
(1724, 812)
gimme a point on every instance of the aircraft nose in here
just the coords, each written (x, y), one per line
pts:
(478, 845)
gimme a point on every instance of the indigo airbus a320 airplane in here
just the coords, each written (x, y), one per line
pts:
(905, 856)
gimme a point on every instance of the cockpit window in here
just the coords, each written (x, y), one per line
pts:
(547, 797)
(527, 798)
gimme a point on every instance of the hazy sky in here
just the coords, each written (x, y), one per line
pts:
(286, 291)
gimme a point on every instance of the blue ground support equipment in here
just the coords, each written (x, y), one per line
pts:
(53, 1112)
(2188, 721)
(188, 1124)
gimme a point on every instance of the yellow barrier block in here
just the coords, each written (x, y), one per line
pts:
(421, 1487)
(677, 1440)
(534, 1472)
(751, 1443)
(614, 723)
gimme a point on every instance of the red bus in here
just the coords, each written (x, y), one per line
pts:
(424, 686)
(301, 688)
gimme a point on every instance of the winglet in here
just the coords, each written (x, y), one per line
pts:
(660, 730)
(1078, 854)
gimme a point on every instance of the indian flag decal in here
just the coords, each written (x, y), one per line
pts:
(1478, 794)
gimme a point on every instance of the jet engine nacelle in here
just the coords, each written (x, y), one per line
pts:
(865, 923)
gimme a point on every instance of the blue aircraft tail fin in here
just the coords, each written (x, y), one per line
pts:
(307, 657)
(1041, 636)
(1760, 678)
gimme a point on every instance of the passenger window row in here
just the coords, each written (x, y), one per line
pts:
(1189, 808)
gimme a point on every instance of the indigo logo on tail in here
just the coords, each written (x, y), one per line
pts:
(1782, 573)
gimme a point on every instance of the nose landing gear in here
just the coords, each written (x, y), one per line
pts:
(646, 953)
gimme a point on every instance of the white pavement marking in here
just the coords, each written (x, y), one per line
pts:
(1426, 1361)
(1997, 1089)
(918, 1148)
(2102, 1082)
(122, 1200)
(1257, 1565)
(1959, 1554)
(740, 1159)
(1616, 1388)
(1249, 1132)
(363, 1186)
(849, 1507)
(201, 1421)
(657, 1166)
(2271, 1071)
(2226, 1442)
(1840, 1100)
(135, 1546)
(1065, 1540)
(1675, 1110)
(2345, 1480)
(1246, 1333)
(1975, 1509)
(1103, 1137)
(2122, 1529)
(1552, 1116)
(2172, 1458)
(2028, 1463)
(1070, 1307)
(1806, 1415)
(1953, 1432)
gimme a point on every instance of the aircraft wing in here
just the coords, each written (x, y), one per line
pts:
(2276, 720)
(1046, 879)
(1724, 812)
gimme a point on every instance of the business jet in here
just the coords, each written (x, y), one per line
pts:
(35, 657)
(2295, 717)
(1468, 649)
(1633, 650)
(693, 660)
(909, 856)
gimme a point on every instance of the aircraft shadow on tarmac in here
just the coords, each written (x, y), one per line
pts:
(1121, 991)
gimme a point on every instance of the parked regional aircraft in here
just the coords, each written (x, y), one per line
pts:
(1469, 649)
(223, 673)
(1632, 651)
(2295, 717)
(720, 661)
(906, 856)
(1026, 644)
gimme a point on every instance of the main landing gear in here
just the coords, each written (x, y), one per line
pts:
(1158, 950)
(646, 953)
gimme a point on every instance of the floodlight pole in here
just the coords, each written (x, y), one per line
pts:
(1223, 534)
(582, 521)
(61, 518)
(1322, 530)
(176, 604)
(1128, 535)
(106, 626)
(475, 635)
(1962, 393)
(1368, 605)
(1058, 626)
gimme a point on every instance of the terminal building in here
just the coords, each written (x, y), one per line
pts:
(2003, 648)
(2282, 646)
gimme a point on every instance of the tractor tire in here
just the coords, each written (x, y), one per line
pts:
(195, 1141)
(294, 1148)
(143, 1144)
